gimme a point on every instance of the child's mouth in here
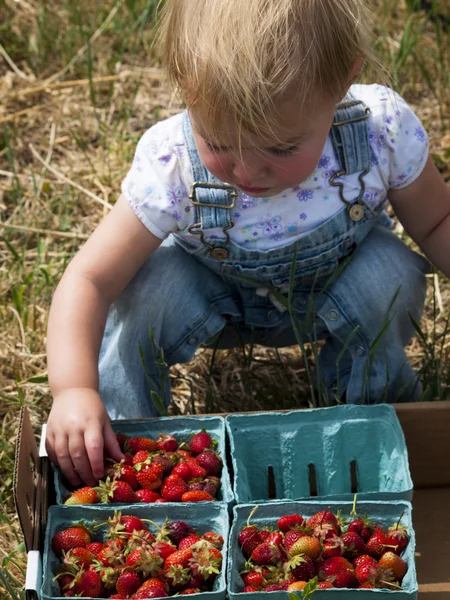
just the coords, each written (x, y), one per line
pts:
(254, 190)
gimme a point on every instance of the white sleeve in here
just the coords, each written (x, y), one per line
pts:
(398, 141)
(154, 187)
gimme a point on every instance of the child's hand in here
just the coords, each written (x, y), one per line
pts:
(79, 435)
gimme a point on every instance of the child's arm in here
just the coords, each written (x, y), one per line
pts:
(424, 210)
(78, 427)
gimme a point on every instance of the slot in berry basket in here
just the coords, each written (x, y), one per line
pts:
(326, 452)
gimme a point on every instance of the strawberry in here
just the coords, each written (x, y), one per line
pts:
(166, 443)
(300, 567)
(339, 572)
(297, 586)
(215, 539)
(266, 554)
(84, 495)
(307, 545)
(333, 546)
(116, 491)
(353, 545)
(324, 585)
(77, 557)
(362, 527)
(188, 541)
(183, 470)
(277, 587)
(397, 565)
(211, 487)
(210, 461)
(290, 522)
(147, 496)
(173, 488)
(88, 584)
(151, 588)
(135, 444)
(254, 578)
(180, 558)
(249, 538)
(94, 547)
(123, 472)
(198, 472)
(274, 537)
(291, 537)
(111, 555)
(165, 462)
(199, 442)
(163, 549)
(366, 572)
(376, 543)
(189, 591)
(179, 530)
(128, 583)
(122, 439)
(324, 524)
(196, 496)
(397, 538)
(149, 476)
(141, 457)
(250, 588)
(364, 559)
(176, 568)
(206, 560)
(72, 537)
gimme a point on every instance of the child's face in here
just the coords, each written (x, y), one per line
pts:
(264, 167)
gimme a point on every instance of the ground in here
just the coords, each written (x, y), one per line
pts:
(79, 84)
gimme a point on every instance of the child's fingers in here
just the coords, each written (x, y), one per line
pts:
(111, 444)
(50, 448)
(93, 439)
(80, 458)
(64, 460)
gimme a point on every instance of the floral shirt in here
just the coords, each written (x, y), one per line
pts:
(160, 178)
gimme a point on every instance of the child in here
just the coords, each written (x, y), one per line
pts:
(278, 155)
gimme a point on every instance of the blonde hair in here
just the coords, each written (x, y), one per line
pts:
(240, 58)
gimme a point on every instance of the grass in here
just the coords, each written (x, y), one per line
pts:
(80, 83)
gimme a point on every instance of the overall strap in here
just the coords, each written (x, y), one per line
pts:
(212, 199)
(350, 139)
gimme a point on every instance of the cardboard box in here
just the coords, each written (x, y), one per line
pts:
(427, 432)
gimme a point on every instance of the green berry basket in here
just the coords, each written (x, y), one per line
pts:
(203, 517)
(182, 428)
(325, 452)
(384, 513)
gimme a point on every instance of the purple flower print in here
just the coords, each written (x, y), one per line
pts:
(420, 134)
(305, 195)
(175, 196)
(303, 216)
(179, 150)
(246, 202)
(165, 159)
(271, 226)
(324, 162)
(388, 120)
(176, 215)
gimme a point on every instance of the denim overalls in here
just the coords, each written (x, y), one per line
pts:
(358, 277)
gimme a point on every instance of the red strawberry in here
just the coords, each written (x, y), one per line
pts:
(173, 488)
(152, 588)
(88, 584)
(165, 462)
(364, 559)
(164, 549)
(249, 538)
(147, 496)
(183, 470)
(290, 522)
(274, 537)
(94, 547)
(145, 562)
(196, 496)
(116, 491)
(210, 461)
(176, 568)
(149, 476)
(141, 457)
(254, 578)
(250, 588)
(339, 571)
(211, 487)
(291, 537)
(396, 538)
(123, 472)
(277, 587)
(72, 537)
(198, 472)
(333, 546)
(376, 543)
(308, 546)
(78, 557)
(179, 558)
(135, 444)
(266, 554)
(206, 561)
(166, 442)
(84, 495)
(189, 591)
(188, 541)
(398, 566)
(366, 572)
(324, 585)
(111, 555)
(353, 545)
(324, 524)
(362, 527)
(128, 583)
(199, 442)
(131, 523)
(301, 568)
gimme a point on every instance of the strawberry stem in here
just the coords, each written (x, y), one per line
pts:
(251, 515)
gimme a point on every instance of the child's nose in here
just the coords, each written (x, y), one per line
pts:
(248, 171)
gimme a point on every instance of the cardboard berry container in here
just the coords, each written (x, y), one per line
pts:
(181, 428)
(384, 513)
(204, 517)
(325, 452)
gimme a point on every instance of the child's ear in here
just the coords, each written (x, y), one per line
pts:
(356, 70)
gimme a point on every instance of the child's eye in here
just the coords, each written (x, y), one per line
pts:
(283, 151)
